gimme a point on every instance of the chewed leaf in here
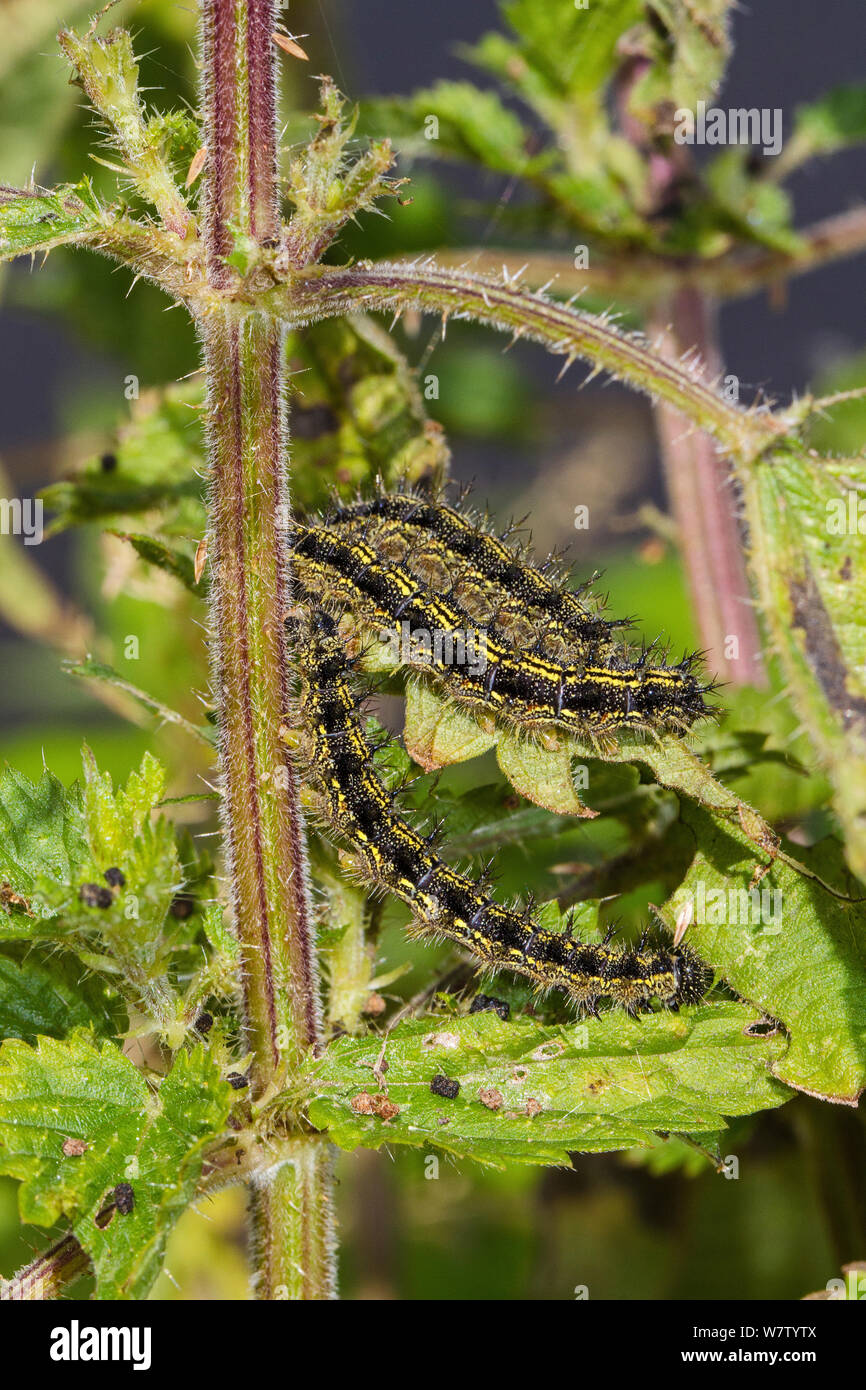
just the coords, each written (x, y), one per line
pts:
(794, 945)
(809, 560)
(534, 1094)
(833, 122)
(78, 1121)
(43, 846)
(438, 733)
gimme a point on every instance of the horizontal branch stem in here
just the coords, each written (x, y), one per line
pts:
(564, 331)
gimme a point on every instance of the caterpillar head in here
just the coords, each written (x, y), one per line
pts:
(692, 976)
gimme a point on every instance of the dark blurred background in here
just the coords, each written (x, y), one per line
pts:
(68, 342)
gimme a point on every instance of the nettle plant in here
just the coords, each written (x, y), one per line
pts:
(252, 997)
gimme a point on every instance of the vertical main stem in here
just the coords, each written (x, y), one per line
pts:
(293, 1225)
(244, 356)
(249, 588)
(239, 76)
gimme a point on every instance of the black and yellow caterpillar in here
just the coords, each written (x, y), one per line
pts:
(527, 689)
(392, 855)
(495, 584)
(370, 559)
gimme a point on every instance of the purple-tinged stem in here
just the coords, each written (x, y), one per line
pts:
(48, 1275)
(263, 822)
(704, 502)
(241, 126)
(244, 355)
(699, 478)
(246, 429)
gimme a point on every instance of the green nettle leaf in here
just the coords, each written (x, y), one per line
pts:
(574, 48)
(544, 776)
(218, 934)
(95, 868)
(760, 211)
(475, 126)
(43, 848)
(180, 564)
(535, 1094)
(809, 560)
(793, 945)
(38, 220)
(831, 123)
(689, 58)
(123, 834)
(77, 1119)
(438, 733)
(756, 746)
(176, 137)
(52, 995)
(471, 124)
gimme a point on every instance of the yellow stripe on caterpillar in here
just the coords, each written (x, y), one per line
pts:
(529, 689)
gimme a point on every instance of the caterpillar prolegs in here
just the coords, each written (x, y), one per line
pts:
(445, 903)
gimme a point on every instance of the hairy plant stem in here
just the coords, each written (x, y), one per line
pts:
(293, 1225)
(263, 824)
(264, 833)
(48, 1275)
(693, 418)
